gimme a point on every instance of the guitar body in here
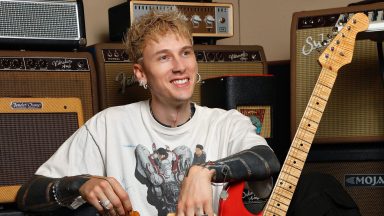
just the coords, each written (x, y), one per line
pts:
(234, 204)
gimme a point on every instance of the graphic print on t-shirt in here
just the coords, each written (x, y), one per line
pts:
(162, 170)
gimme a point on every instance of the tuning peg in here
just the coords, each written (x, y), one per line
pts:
(335, 30)
(324, 43)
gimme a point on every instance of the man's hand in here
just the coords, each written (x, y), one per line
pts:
(106, 195)
(196, 193)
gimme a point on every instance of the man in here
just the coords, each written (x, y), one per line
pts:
(199, 157)
(139, 156)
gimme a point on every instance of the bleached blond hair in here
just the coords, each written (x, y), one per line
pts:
(153, 25)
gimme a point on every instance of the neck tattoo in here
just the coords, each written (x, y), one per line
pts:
(193, 109)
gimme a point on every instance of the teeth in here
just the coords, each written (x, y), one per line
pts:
(182, 81)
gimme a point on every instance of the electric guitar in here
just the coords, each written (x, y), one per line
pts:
(337, 54)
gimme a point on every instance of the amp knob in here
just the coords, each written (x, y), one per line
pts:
(209, 20)
(196, 20)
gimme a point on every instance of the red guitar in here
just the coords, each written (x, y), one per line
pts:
(338, 53)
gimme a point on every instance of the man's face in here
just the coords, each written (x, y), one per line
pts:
(170, 68)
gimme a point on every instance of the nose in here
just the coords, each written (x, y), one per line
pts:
(179, 65)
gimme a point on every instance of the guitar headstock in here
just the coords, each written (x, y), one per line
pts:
(340, 51)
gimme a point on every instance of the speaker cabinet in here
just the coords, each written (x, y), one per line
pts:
(31, 130)
(49, 74)
(255, 96)
(118, 87)
(355, 110)
(359, 168)
(42, 25)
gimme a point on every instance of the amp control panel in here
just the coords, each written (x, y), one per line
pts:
(206, 19)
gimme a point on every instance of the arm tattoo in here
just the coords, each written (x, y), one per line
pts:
(37, 195)
(256, 163)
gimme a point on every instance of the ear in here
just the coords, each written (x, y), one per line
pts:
(139, 72)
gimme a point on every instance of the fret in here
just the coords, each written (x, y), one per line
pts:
(281, 199)
(301, 144)
(297, 154)
(285, 189)
(274, 212)
(288, 178)
(291, 170)
(322, 92)
(307, 137)
(312, 114)
(279, 208)
(317, 103)
(327, 78)
(298, 164)
(309, 125)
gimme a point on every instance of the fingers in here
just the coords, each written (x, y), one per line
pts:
(106, 195)
(124, 206)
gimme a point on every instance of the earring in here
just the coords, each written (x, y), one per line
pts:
(198, 78)
(143, 83)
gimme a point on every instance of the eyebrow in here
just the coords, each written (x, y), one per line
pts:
(167, 50)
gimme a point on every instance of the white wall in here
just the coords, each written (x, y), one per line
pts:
(266, 23)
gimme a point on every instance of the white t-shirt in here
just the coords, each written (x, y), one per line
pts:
(147, 158)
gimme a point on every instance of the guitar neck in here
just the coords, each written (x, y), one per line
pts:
(288, 178)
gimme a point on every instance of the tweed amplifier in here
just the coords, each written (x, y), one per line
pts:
(49, 74)
(355, 110)
(206, 19)
(31, 130)
(358, 168)
(118, 86)
(42, 25)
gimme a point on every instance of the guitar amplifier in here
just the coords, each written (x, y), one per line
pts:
(42, 25)
(118, 87)
(116, 81)
(49, 74)
(31, 130)
(206, 19)
(251, 95)
(358, 168)
(256, 96)
(355, 110)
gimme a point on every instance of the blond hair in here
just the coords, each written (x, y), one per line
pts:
(152, 25)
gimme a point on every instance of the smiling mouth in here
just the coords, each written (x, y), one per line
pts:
(180, 81)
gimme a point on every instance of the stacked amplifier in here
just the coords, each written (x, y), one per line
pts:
(42, 25)
(349, 142)
(117, 85)
(213, 20)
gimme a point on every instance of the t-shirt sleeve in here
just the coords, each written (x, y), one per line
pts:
(242, 133)
(79, 154)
